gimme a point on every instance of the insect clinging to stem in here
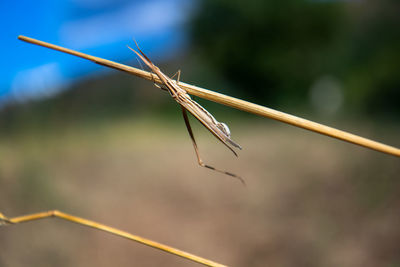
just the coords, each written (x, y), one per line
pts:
(218, 129)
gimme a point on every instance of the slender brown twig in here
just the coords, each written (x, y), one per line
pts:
(234, 102)
(55, 213)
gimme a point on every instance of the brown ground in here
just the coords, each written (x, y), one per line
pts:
(309, 200)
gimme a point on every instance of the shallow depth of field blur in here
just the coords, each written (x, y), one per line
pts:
(113, 148)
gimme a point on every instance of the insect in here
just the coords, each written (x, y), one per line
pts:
(218, 129)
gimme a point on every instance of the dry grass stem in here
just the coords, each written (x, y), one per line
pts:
(55, 213)
(234, 102)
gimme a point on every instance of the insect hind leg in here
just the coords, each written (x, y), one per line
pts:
(199, 160)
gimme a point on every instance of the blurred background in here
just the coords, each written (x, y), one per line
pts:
(110, 147)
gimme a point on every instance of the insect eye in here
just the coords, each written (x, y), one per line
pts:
(224, 128)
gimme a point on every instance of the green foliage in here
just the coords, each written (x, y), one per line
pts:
(374, 58)
(275, 50)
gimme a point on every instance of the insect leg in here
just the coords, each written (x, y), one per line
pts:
(155, 84)
(200, 161)
(178, 73)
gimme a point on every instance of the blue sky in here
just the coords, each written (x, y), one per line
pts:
(99, 27)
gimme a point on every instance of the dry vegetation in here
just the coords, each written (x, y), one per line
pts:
(309, 200)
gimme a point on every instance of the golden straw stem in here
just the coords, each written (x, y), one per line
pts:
(234, 102)
(111, 230)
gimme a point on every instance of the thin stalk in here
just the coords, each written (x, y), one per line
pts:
(92, 224)
(234, 102)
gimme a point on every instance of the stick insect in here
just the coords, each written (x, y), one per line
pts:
(218, 129)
